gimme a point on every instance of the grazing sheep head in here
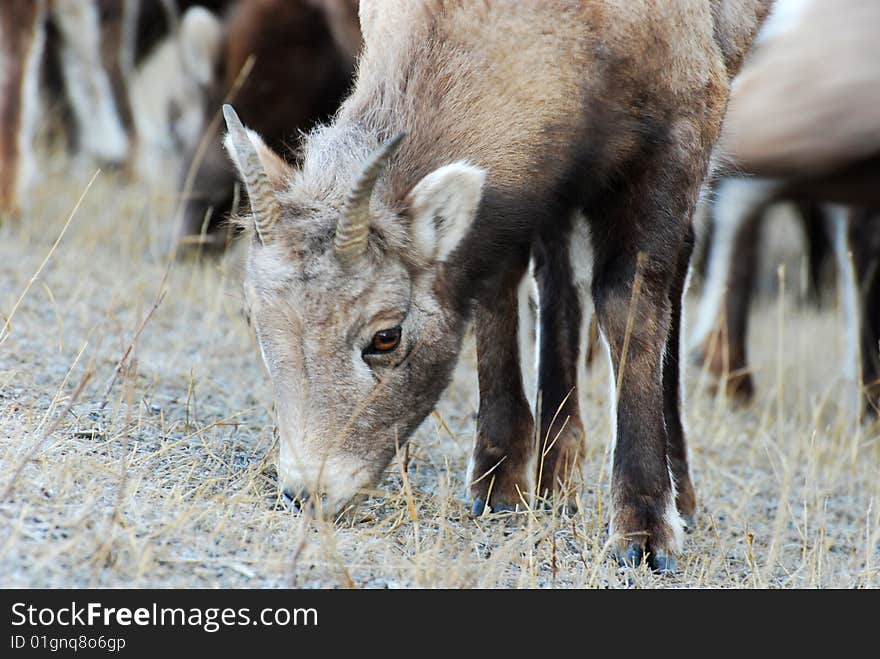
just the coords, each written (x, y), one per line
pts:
(353, 299)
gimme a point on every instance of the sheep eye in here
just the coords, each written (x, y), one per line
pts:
(384, 340)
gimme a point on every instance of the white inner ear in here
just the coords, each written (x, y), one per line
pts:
(276, 168)
(443, 205)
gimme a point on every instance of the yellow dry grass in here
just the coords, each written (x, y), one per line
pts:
(171, 482)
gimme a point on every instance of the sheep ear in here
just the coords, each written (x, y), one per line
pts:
(443, 206)
(200, 39)
(262, 171)
(276, 169)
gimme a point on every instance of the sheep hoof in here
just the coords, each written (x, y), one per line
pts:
(662, 563)
(480, 506)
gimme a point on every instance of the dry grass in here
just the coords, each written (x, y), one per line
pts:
(171, 482)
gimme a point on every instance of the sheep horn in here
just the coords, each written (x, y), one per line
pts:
(353, 227)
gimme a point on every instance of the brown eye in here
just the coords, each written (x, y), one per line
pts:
(385, 340)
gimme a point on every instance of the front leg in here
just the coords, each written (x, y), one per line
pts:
(634, 313)
(685, 497)
(719, 337)
(563, 269)
(500, 473)
(642, 241)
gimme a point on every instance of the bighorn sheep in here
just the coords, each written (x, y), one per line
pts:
(475, 134)
(803, 126)
(87, 55)
(303, 64)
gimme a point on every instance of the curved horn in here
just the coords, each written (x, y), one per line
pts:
(264, 204)
(353, 227)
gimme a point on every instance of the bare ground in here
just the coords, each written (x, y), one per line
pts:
(169, 478)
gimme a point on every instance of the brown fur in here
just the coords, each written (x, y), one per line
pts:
(301, 71)
(505, 429)
(561, 437)
(606, 110)
(736, 23)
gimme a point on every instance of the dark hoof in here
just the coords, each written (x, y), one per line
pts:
(480, 507)
(659, 561)
(632, 557)
(662, 563)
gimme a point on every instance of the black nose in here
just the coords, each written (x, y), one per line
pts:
(295, 500)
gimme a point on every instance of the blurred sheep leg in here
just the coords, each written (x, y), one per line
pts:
(22, 40)
(719, 336)
(101, 133)
(862, 300)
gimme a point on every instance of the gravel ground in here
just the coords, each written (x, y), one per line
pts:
(165, 474)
